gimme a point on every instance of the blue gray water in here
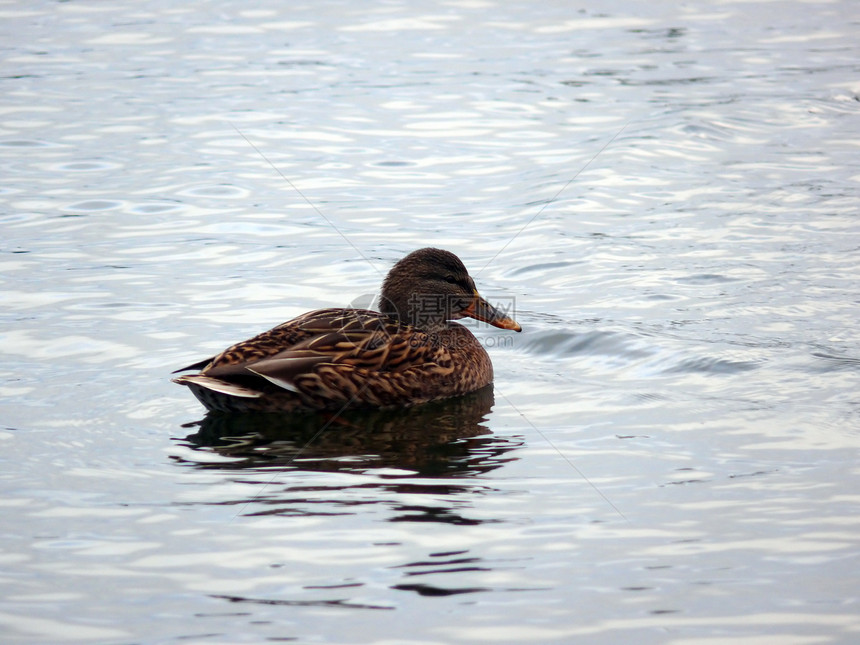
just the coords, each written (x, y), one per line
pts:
(668, 194)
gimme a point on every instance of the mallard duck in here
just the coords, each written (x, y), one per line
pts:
(406, 354)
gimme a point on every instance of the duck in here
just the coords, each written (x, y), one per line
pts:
(408, 353)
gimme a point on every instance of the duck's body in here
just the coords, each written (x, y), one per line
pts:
(335, 359)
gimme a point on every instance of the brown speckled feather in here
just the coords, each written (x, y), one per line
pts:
(336, 358)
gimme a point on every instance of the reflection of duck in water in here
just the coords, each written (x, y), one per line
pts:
(332, 359)
(440, 438)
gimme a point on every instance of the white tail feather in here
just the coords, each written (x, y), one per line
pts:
(217, 385)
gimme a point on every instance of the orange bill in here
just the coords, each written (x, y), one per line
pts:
(480, 309)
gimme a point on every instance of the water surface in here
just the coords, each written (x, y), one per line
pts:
(667, 192)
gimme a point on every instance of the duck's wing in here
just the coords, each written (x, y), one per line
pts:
(283, 337)
(365, 353)
(359, 347)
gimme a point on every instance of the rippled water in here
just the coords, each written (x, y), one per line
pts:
(669, 193)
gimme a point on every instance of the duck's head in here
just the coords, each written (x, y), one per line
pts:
(431, 286)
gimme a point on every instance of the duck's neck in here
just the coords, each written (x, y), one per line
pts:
(416, 311)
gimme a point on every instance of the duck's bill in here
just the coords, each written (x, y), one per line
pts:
(480, 309)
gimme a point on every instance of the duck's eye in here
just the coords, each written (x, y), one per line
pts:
(450, 279)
